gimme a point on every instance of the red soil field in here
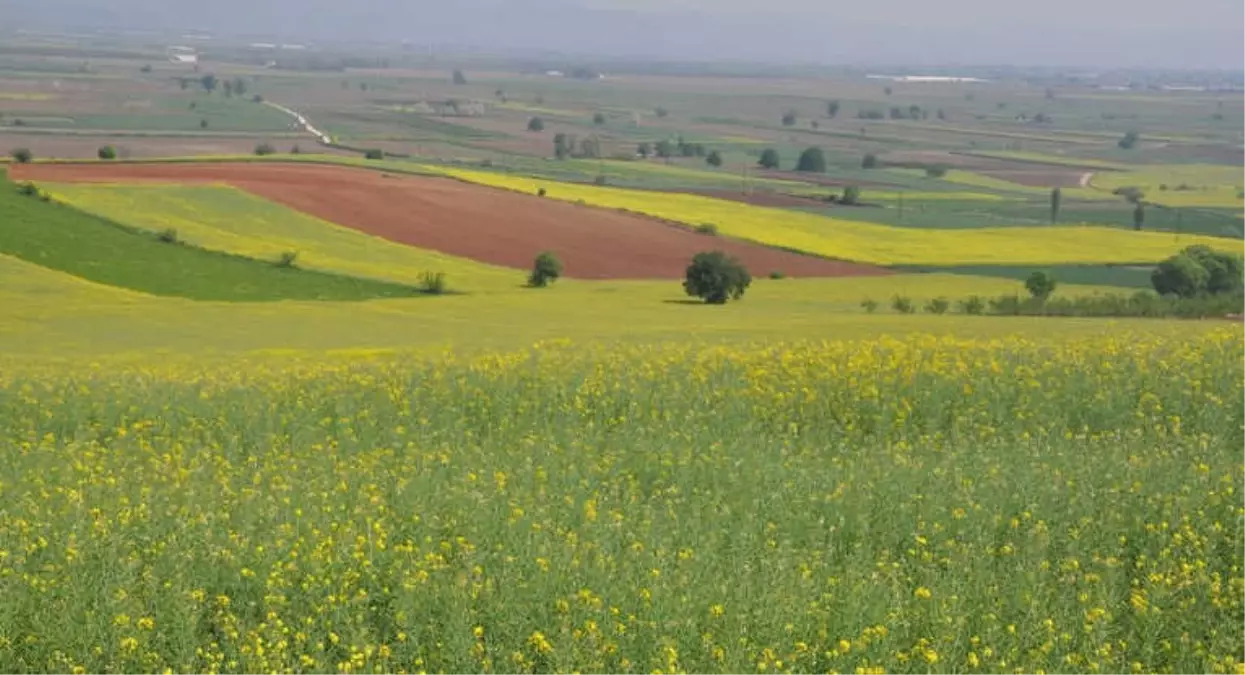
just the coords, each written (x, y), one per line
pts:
(471, 221)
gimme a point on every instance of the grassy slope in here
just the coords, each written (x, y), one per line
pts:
(227, 219)
(62, 238)
(89, 319)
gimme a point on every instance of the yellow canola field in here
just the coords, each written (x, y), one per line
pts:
(915, 504)
(867, 242)
(224, 218)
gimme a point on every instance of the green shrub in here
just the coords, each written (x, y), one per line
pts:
(1227, 271)
(935, 171)
(107, 152)
(27, 189)
(777, 274)
(374, 153)
(22, 155)
(168, 236)
(432, 283)
(973, 305)
(937, 306)
(599, 179)
(870, 161)
(902, 304)
(536, 124)
(1139, 304)
(264, 149)
(546, 269)
(1180, 275)
(716, 277)
(1006, 305)
(707, 229)
(869, 305)
(287, 259)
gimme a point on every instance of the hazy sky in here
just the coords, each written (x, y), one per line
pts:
(1095, 33)
(1120, 14)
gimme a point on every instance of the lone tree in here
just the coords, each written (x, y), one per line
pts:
(869, 161)
(812, 160)
(1139, 216)
(1056, 201)
(22, 155)
(832, 109)
(716, 277)
(851, 196)
(458, 77)
(545, 270)
(643, 149)
(660, 112)
(536, 124)
(769, 159)
(209, 82)
(1040, 285)
(563, 145)
(107, 152)
(714, 158)
(1130, 140)
(788, 118)
(598, 119)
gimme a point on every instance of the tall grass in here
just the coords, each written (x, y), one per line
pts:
(904, 505)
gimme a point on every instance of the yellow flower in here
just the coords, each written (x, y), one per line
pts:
(923, 593)
(538, 642)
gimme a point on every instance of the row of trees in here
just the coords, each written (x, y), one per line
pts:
(210, 83)
(813, 160)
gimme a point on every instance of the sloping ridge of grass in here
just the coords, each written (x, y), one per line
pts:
(62, 238)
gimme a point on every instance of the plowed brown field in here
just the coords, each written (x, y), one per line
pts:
(471, 221)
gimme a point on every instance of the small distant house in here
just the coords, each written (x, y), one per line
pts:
(179, 54)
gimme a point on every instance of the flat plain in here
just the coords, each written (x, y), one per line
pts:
(279, 402)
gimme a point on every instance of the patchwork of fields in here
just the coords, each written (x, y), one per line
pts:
(304, 412)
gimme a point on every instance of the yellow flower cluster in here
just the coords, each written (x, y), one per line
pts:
(912, 504)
